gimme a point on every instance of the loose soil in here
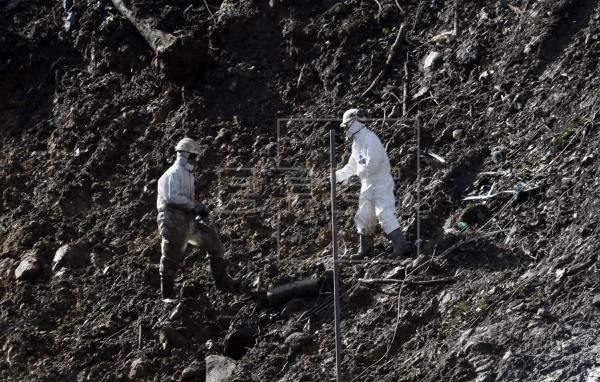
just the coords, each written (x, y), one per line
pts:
(89, 121)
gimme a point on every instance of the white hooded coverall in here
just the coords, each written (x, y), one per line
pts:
(370, 163)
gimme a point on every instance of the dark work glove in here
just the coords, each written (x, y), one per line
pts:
(201, 210)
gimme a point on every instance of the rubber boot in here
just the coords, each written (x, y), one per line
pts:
(222, 279)
(401, 246)
(167, 285)
(366, 248)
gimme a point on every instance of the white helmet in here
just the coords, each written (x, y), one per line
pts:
(188, 145)
(352, 115)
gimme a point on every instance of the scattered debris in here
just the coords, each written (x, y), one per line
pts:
(498, 155)
(519, 190)
(70, 21)
(461, 226)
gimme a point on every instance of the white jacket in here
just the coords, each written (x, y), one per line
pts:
(368, 157)
(176, 187)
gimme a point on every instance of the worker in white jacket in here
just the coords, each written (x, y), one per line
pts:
(177, 225)
(370, 163)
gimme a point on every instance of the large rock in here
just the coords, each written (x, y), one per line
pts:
(219, 368)
(170, 338)
(432, 61)
(29, 268)
(192, 374)
(73, 255)
(297, 341)
(140, 369)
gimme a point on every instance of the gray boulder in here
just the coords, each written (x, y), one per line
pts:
(192, 373)
(73, 255)
(29, 268)
(297, 341)
(432, 61)
(140, 369)
(219, 368)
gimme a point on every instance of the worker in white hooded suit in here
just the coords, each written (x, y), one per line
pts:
(370, 163)
(177, 210)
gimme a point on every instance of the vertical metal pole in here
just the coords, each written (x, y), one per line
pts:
(336, 271)
(418, 124)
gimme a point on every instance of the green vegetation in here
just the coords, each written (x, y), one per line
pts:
(482, 304)
(463, 307)
(562, 139)
(525, 171)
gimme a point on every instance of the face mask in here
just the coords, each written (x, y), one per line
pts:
(354, 128)
(348, 133)
(190, 160)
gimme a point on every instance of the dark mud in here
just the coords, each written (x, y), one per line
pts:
(89, 121)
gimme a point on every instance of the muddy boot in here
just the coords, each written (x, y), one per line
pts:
(366, 248)
(401, 246)
(222, 279)
(167, 285)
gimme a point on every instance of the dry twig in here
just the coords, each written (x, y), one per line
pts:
(406, 81)
(408, 282)
(388, 62)
(209, 11)
(456, 5)
(417, 15)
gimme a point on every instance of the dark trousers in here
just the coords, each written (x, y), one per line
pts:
(178, 229)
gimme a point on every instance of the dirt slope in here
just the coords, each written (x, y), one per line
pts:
(88, 125)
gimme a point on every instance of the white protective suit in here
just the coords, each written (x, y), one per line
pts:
(370, 163)
(178, 227)
(176, 187)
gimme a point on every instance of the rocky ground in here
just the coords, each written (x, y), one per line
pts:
(504, 286)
